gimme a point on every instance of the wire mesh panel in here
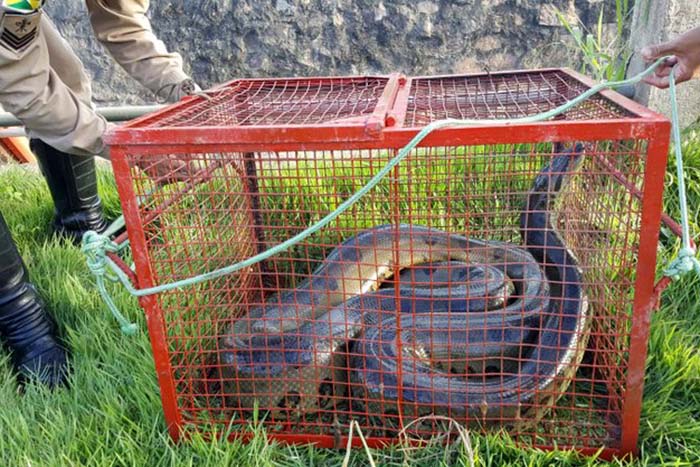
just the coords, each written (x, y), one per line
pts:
(294, 101)
(503, 96)
(503, 284)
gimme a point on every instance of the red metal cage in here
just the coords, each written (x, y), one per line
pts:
(501, 275)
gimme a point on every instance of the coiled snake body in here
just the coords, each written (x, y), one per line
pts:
(520, 311)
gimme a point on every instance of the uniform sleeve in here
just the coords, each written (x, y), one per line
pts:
(32, 91)
(123, 29)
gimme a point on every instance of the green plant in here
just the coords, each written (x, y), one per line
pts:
(602, 59)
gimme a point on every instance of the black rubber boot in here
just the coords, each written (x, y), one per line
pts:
(25, 327)
(72, 181)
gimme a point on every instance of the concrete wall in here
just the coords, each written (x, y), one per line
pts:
(225, 39)
(658, 21)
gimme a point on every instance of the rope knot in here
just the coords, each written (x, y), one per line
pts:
(683, 264)
(95, 247)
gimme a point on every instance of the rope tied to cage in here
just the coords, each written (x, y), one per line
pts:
(95, 246)
(686, 260)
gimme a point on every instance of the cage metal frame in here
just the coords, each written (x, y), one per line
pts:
(383, 129)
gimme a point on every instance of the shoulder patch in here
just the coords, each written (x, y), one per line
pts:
(23, 5)
(18, 31)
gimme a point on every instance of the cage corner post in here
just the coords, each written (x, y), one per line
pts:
(144, 274)
(658, 134)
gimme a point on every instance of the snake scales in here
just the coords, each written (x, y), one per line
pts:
(514, 317)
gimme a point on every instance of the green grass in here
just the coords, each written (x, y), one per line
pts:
(112, 415)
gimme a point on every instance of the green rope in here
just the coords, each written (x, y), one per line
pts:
(686, 260)
(96, 245)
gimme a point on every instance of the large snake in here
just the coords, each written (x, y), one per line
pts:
(513, 317)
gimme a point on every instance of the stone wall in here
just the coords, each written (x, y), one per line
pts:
(225, 39)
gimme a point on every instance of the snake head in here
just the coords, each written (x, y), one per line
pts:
(554, 174)
(546, 186)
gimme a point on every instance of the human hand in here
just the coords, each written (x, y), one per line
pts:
(174, 92)
(162, 169)
(165, 169)
(685, 60)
